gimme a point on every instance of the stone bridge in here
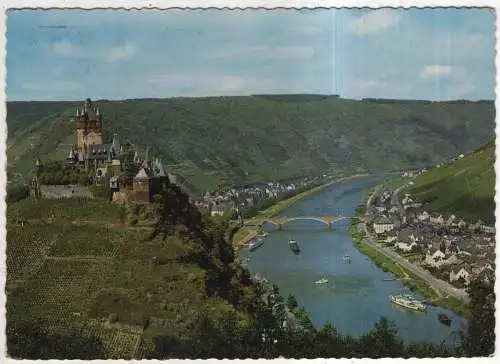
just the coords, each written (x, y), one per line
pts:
(280, 221)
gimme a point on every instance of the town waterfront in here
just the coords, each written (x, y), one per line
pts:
(356, 295)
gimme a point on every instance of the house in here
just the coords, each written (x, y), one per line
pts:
(464, 272)
(222, 208)
(382, 224)
(405, 247)
(438, 255)
(437, 219)
(488, 229)
(394, 210)
(423, 216)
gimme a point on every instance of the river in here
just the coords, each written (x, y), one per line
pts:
(356, 295)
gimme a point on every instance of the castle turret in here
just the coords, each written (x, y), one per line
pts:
(71, 155)
(116, 143)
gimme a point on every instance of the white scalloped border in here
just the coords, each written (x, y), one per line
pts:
(235, 4)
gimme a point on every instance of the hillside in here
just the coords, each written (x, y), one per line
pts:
(76, 265)
(465, 188)
(83, 284)
(216, 140)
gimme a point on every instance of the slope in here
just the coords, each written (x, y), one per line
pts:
(465, 188)
(75, 264)
(217, 140)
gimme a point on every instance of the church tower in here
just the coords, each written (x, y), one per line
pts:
(88, 126)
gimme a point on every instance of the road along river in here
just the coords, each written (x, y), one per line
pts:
(356, 295)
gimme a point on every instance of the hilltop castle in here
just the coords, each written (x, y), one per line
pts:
(103, 159)
(89, 150)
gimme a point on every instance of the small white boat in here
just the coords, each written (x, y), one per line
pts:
(255, 244)
(294, 245)
(321, 281)
(408, 301)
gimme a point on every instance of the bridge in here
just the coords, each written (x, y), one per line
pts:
(280, 221)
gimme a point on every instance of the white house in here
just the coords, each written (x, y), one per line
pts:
(382, 224)
(394, 210)
(405, 247)
(439, 220)
(488, 229)
(438, 255)
(423, 216)
(390, 239)
(462, 273)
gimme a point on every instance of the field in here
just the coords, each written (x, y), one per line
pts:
(465, 188)
(85, 266)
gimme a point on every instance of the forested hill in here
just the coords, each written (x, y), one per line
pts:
(217, 140)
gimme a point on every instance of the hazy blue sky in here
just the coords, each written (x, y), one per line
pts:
(423, 54)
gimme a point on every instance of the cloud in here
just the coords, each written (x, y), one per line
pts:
(374, 21)
(121, 53)
(63, 48)
(436, 70)
(266, 52)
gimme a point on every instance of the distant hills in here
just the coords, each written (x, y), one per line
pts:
(221, 140)
(465, 188)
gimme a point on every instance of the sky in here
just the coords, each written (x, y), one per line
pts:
(432, 54)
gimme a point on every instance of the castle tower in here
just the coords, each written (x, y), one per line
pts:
(88, 126)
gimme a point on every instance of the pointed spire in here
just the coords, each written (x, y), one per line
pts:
(136, 157)
(97, 111)
(77, 111)
(116, 142)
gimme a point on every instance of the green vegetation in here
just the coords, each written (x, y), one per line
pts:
(213, 141)
(17, 187)
(158, 292)
(465, 188)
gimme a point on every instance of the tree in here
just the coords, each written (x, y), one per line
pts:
(382, 342)
(479, 337)
(291, 303)
(130, 168)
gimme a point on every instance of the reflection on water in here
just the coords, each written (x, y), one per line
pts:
(356, 294)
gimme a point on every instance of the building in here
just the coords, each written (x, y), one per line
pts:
(382, 225)
(150, 180)
(89, 150)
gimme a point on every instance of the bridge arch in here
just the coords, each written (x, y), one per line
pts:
(328, 221)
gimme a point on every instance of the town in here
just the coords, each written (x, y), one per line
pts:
(247, 200)
(450, 248)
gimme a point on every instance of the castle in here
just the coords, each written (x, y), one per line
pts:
(103, 159)
(89, 151)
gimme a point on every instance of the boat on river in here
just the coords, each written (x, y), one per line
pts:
(294, 245)
(255, 244)
(408, 301)
(444, 319)
(321, 281)
(347, 258)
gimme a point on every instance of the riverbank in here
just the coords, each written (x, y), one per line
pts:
(410, 280)
(245, 234)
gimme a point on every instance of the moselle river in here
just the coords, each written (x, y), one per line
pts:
(356, 295)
